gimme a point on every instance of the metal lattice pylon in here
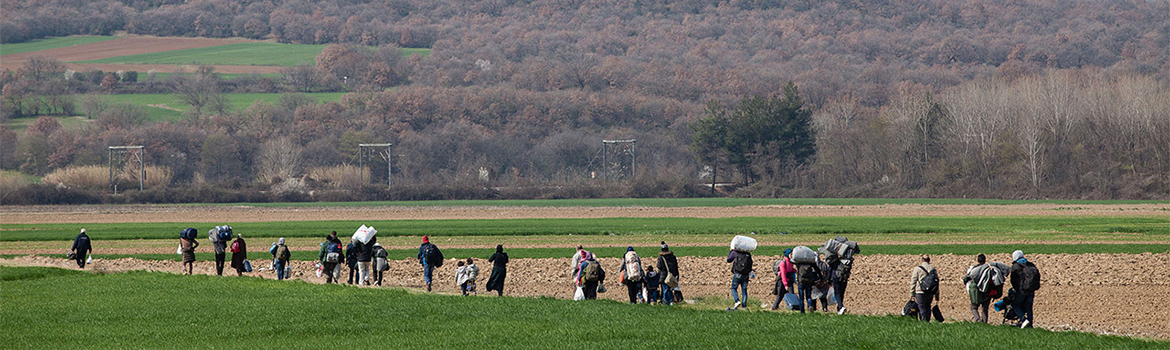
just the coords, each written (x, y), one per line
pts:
(137, 153)
(367, 150)
(619, 159)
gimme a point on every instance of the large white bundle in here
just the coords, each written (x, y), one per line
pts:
(803, 255)
(743, 244)
(364, 234)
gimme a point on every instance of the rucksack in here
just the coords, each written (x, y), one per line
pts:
(929, 283)
(282, 253)
(592, 271)
(332, 253)
(432, 255)
(633, 267)
(808, 274)
(844, 269)
(742, 263)
(1031, 278)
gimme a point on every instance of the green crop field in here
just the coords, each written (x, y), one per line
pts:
(57, 309)
(1076, 228)
(240, 54)
(51, 43)
(686, 202)
(236, 102)
(18, 125)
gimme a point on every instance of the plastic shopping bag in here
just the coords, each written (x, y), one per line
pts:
(579, 294)
(89, 259)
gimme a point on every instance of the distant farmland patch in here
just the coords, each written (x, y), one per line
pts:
(51, 43)
(166, 107)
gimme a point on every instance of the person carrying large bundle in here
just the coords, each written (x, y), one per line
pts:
(187, 245)
(740, 258)
(840, 255)
(219, 237)
(631, 274)
(785, 272)
(808, 274)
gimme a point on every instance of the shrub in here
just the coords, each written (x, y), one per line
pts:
(89, 177)
(37, 194)
(156, 176)
(338, 177)
(11, 181)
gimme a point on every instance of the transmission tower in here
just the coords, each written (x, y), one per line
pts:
(137, 153)
(368, 151)
(619, 159)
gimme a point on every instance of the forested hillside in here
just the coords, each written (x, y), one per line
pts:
(969, 98)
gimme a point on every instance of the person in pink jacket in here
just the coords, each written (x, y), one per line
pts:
(785, 276)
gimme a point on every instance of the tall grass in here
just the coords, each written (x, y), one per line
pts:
(44, 308)
(87, 177)
(10, 181)
(340, 177)
(156, 176)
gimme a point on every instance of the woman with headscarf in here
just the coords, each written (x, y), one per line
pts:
(785, 272)
(631, 274)
(588, 278)
(499, 262)
(380, 264)
(239, 254)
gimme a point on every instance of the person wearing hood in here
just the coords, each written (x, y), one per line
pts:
(668, 266)
(499, 262)
(632, 273)
(785, 272)
(380, 264)
(81, 248)
(430, 257)
(187, 247)
(1025, 280)
(282, 257)
(239, 254)
(577, 257)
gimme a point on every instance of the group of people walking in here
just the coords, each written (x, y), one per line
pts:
(801, 281)
(643, 284)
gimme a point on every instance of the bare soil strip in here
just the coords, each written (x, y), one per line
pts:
(150, 213)
(1119, 294)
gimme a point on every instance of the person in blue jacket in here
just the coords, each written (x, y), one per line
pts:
(429, 257)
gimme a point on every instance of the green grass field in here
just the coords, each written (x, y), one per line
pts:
(871, 228)
(685, 202)
(18, 125)
(240, 54)
(56, 309)
(236, 102)
(51, 43)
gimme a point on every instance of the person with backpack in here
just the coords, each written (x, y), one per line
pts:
(591, 275)
(631, 274)
(330, 257)
(351, 252)
(668, 267)
(650, 285)
(924, 281)
(741, 269)
(808, 276)
(974, 277)
(239, 250)
(187, 246)
(430, 257)
(380, 263)
(499, 262)
(82, 246)
(1025, 279)
(821, 287)
(365, 257)
(785, 272)
(282, 257)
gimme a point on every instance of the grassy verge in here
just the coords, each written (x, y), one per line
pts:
(159, 310)
(51, 43)
(240, 54)
(686, 202)
(260, 251)
(1067, 228)
(174, 108)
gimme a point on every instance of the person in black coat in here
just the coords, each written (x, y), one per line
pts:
(81, 248)
(351, 252)
(365, 254)
(499, 262)
(239, 254)
(668, 268)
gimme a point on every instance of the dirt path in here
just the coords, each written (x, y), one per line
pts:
(162, 213)
(1120, 294)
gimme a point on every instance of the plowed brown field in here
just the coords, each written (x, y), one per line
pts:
(1101, 293)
